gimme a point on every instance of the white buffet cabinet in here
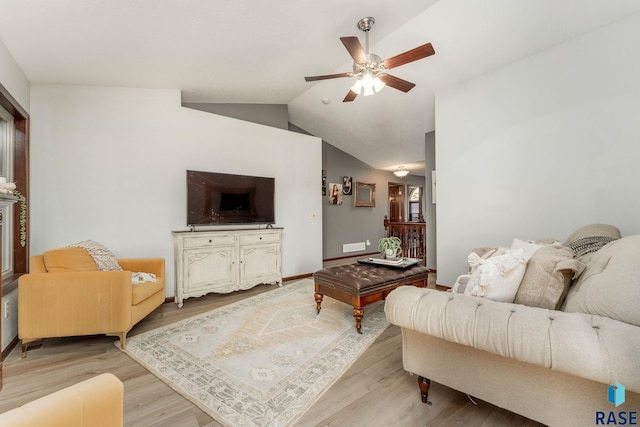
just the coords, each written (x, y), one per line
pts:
(224, 261)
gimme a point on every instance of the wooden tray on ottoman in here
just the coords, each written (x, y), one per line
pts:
(362, 284)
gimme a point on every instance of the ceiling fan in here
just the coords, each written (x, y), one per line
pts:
(371, 69)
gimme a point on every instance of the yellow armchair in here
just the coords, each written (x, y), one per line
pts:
(95, 402)
(70, 303)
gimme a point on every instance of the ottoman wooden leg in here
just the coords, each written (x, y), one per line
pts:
(358, 313)
(318, 298)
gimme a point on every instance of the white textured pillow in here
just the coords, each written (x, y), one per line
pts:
(528, 247)
(498, 278)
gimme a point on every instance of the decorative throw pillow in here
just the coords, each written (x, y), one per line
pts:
(103, 257)
(481, 254)
(547, 278)
(498, 278)
(531, 246)
(593, 230)
(528, 247)
(461, 284)
(67, 260)
(140, 277)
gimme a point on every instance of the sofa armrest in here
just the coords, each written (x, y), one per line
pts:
(97, 401)
(143, 265)
(589, 346)
(80, 303)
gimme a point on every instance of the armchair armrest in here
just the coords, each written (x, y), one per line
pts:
(79, 303)
(589, 346)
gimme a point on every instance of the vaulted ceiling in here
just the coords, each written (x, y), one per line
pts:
(229, 51)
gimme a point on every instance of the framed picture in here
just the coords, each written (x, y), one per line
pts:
(347, 188)
(324, 182)
(335, 194)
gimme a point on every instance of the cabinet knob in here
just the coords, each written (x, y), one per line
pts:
(209, 240)
(260, 237)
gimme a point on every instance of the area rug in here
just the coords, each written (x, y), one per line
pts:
(262, 361)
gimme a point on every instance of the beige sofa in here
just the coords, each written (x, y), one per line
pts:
(65, 294)
(96, 402)
(552, 366)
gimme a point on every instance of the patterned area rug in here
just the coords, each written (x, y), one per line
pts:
(262, 361)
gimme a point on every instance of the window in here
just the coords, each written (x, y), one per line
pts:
(6, 170)
(415, 204)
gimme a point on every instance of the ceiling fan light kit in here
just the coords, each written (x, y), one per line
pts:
(370, 69)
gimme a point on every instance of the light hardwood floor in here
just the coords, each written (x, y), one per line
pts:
(375, 391)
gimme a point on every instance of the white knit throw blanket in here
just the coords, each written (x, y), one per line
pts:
(104, 258)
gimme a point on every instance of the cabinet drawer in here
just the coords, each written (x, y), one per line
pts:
(251, 239)
(203, 241)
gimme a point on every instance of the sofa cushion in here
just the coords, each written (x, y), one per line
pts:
(610, 284)
(65, 260)
(547, 278)
(497, 277)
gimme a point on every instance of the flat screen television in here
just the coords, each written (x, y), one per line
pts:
(220, 198)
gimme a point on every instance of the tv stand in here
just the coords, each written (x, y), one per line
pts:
(224, 261)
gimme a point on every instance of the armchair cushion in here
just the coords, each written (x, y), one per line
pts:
(144, 290)
(66, 260)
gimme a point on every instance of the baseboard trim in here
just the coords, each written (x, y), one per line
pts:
(10, 347)
(297, 277)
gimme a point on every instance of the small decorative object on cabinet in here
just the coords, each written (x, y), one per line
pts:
(224, 261)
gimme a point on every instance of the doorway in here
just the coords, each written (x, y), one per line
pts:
(396, 202)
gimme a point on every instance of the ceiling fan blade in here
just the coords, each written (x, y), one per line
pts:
(409, 56)
(351, 95)
(355, 49)
(328, 76)
(397, 83)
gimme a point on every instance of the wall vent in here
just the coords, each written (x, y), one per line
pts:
(353, 247)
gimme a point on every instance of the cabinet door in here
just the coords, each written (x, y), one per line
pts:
(259, 264)
(209, 270)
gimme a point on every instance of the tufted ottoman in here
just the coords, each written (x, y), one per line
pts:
(360, 284)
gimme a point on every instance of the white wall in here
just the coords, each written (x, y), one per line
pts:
(540, 147)
(13, 78)
(109, 164)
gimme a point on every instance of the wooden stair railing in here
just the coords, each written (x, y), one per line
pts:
(413, 236)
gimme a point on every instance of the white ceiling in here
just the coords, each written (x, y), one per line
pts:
(230, 51)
